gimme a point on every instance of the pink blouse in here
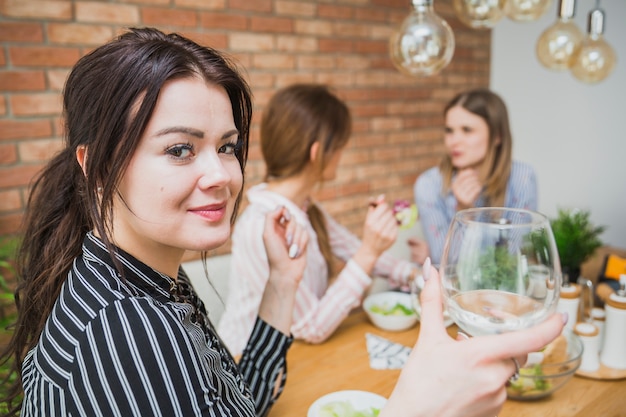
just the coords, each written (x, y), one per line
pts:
(320, 307)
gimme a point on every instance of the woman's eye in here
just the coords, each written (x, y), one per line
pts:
(183, 151)
(230, 148)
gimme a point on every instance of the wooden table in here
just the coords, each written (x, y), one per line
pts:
(342, 363)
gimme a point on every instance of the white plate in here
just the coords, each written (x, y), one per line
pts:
(360, 400)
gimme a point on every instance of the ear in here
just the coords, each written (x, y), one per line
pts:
(497, 141)
(313, 151)
(81, 157)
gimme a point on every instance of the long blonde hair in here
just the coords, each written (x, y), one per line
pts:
(492, 109)
(295, 118)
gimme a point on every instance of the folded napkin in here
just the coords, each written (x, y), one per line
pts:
(385, 354)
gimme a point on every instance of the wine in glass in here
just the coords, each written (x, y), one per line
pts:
(500, 270)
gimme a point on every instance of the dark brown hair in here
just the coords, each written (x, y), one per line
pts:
(491, 108)
(109, 98)
(295, 118)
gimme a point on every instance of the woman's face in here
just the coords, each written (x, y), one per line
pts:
(466, 138)
(180, 187)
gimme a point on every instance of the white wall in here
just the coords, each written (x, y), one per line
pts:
(574, 134)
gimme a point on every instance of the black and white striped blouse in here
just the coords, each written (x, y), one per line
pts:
(140, 346)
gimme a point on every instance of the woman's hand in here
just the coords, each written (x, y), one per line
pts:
(285, 244)
(444, 377)
(379, 233)
(466, 188)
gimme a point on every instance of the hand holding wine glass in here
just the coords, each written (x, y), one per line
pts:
(500, 270)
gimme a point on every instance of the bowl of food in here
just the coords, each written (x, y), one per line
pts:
(548, 370)
(390, 310)
(350, 403)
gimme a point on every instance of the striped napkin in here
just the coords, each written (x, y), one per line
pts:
(385, 354)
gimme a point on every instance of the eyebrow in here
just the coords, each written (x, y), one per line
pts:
(192, 132)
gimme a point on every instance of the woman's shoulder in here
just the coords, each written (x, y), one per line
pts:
(429, 179)
(521, 169)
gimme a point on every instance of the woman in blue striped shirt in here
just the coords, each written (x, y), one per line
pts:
(109, 325)
(477, 170)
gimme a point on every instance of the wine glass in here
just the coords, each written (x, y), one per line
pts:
(500, 270)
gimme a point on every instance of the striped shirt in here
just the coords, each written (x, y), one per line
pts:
(437, 210)
(132, 347)
(319, 308)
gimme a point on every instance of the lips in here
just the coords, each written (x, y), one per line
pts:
(212, 212)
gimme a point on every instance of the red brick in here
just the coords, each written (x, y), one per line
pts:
(43, 56)
(223, 21)
(285, 43)
(271, 24)
(335, 78)
(250, 42)
(335, 45)
(20, 175)
(3, 106)
(10, 224)
(10, 200)
(17, 129)
(118, 14)
(275, 61)
(22, 81)
(8, 153)
(36, 104)
(313, 27)
(316, 61)
(56, 78)
(369, 47)
(40, 9)
(297, 77)
(79, 34)
(153, 16)
(20, 32)
(294, 8)
(371, 14)
(350, 30)
(201, 4)
(253, 6)
(39, 150)
(335, 12)
(214, 40)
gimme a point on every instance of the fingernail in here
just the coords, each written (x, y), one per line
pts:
(289, 238)
(564, 317)
(287, 215)
(426, 269)
(293, 251)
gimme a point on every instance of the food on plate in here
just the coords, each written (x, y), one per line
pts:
(397, 309)
(345, 409)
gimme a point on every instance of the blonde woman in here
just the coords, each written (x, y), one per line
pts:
(477, 170)
(303, 132)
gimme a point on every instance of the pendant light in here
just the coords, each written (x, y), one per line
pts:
(558, 44)
(526, 10)
(424, 43)
(596, 58)
(479, 14)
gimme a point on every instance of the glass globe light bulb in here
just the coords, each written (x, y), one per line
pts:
(526, 10)
(424, 43)
(479, 14)
(596, 58)
(558, 44)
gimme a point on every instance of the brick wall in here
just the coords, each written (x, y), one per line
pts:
(397, 119)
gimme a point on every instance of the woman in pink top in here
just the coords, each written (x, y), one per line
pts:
(303, 132)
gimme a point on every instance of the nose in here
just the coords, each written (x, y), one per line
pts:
(213, 172)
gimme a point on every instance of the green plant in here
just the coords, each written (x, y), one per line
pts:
(8, 248)
(498, 268)
(576, 238)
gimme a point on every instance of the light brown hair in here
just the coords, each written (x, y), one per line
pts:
(492, 109)
(295, 118)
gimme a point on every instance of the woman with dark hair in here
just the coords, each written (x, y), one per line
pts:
(156, 142)
(303, 131)
(108, 323)
(477, 170)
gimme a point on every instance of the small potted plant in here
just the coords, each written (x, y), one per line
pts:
(576, 240)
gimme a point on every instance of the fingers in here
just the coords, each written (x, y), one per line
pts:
(519, 343)
(431, 321)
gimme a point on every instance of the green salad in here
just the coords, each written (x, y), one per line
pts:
(529, 386)
(345, 409)
(396, 310)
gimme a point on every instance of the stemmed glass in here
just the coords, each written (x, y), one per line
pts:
(500, 270)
